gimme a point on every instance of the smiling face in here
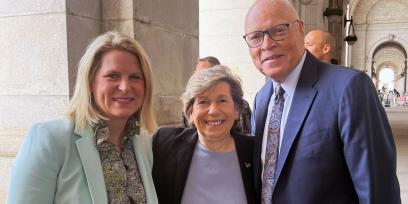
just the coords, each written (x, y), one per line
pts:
(118, 85)
(275, 59)
(214, 112)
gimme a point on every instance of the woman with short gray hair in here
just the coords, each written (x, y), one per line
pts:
(207, 163)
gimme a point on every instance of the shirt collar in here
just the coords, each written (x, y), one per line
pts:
(102, 131)
(289, 84)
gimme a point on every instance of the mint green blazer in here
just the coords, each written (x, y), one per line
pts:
(58, 163)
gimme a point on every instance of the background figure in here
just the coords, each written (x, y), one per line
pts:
(210, 162)
(321, 44)
(396, 93)
(206, 62)
(321, 134)
(101, 152)
(244, 123)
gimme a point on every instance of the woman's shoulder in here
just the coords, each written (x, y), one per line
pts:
(166, 136)
(59, 126)
(56, 130)
(57, 122)
(243, 137)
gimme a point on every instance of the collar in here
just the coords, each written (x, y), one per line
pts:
(102, 130)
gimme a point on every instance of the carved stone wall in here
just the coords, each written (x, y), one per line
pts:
(379, 22)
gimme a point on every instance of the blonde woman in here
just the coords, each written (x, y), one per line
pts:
(101, 152)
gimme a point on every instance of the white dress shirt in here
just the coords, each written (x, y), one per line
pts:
(289, 85)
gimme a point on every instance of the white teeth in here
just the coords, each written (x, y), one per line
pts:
(123, 99)
(214, 123)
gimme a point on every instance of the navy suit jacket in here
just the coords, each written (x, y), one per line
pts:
(337, 145)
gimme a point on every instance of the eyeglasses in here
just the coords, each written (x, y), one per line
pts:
(276, 33)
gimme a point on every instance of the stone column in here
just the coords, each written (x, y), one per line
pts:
(33, 65)
(168, 30)
(169, 33)
(311, 12)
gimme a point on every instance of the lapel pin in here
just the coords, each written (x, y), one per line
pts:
(247, 164)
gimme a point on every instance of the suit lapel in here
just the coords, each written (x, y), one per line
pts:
(143, 164)
(92, 165)
(262, 102)
(301, 103)
(186, 143)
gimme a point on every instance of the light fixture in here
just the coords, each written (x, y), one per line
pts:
(351, 37)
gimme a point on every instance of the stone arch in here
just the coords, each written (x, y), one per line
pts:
(387, 12)
(366, 5)
(399, 47)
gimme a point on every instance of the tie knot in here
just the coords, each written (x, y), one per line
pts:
(279, 90)
(279, 93)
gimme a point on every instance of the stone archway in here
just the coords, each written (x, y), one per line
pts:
(378, 22)
(389, 54)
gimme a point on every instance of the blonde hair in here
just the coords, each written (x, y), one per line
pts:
(81, 109)
(203, 80)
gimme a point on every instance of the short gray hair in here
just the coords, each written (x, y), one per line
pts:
(203, 80)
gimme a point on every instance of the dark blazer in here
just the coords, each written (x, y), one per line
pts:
(337, 145)
(173, 150)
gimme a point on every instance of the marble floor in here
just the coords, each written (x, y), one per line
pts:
(398, 118)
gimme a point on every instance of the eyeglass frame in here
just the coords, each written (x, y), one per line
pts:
(268, 32)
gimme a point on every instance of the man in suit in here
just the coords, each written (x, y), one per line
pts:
(321, 134)
(321, 44)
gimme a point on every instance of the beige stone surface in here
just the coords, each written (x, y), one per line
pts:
(398, 118)
(5, 167)
(80, 32)
(387, 12)
(167, 14)
(29, 7)
(20, 112)
(117, 10)
(224, 4)
(173, 55)
(143, 11)
(123, 26)
(85, 8)
(170, 53)
(170, 109)
(34, 55)
(10, 140)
